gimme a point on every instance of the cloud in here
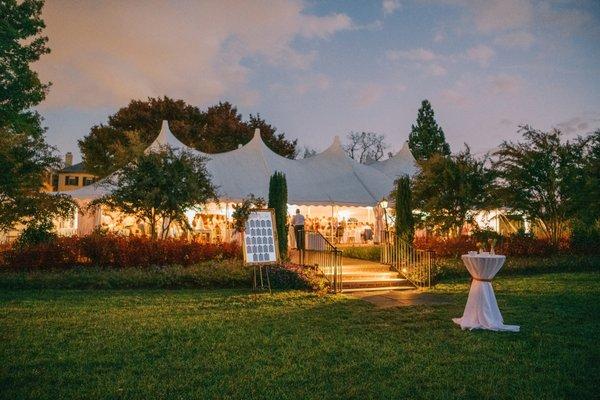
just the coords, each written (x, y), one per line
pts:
(500, 15)
(481, 54)
(390, 6)
(318, 82)
(565, 21)
(436, 70)
(368, 95)
(420, 54)
(453, 96)
(505, 84)
(321, 27)
(439, 37)
(581, 124)
(521, 40)
(423, 59)
(106, 53)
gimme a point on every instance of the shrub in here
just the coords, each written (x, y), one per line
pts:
(586, 238)
(293, 276)
(114, 252)
(446, 247)
(518, 265)
(37, 232)
(508, 245)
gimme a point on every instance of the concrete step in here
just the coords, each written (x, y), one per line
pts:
(355, 269)
(368, 276)
(376, 289)
(374, 283)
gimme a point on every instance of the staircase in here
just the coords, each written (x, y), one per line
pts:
(362, 275)
(348, 274)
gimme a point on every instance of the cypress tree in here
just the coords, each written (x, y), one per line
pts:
(405, 224)
(278, 202)
(426, 137)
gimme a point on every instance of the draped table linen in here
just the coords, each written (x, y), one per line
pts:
(481, 311)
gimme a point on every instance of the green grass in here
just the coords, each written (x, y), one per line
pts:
(145, 344)
(209, 275)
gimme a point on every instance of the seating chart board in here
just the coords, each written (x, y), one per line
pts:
(260, 238)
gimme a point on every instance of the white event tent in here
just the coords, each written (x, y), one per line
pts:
(328, 179)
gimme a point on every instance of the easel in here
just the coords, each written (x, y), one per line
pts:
(260, 279)
(261, 263)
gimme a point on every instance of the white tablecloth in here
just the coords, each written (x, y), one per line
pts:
(481, 311)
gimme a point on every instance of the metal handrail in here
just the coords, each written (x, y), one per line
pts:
(319, 251)
(414, 264)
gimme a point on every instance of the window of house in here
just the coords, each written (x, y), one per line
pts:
(88, 181)
(72, 180)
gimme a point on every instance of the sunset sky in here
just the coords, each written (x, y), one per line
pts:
(319, 69)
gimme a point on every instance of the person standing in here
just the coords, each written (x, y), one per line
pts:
(298, 223)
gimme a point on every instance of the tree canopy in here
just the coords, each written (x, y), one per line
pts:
(426, 137)
(132, 128)
(449, 189)
(21, 43)
(159, 187)
(542, 177)
(25, 157)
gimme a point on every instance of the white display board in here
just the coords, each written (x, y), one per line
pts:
(260, 238)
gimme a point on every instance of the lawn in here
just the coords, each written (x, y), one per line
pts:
(106, 344)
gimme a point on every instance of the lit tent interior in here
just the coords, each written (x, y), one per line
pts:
(327, 185)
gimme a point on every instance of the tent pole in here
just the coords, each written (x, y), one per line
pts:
(332, 205)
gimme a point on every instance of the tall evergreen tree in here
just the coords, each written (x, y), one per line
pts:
(426, 137)
(405, 224)
(278, 202)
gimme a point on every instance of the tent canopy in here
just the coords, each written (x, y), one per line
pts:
(330, 177)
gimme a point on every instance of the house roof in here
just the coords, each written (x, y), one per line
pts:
(330, 177)
(79, 167)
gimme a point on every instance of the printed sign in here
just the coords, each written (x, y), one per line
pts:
(260, 238)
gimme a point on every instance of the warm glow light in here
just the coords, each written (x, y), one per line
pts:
(190, 214)
(344, 214)
(383, 203)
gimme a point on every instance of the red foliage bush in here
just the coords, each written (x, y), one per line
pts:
(507, 245)
(446, 247)
(114, 252)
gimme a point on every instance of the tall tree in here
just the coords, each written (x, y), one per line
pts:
(536, 177)
(585, 187)
(366, 147)
(278, 202)
(159, 187)
(426, 137)
(132, 128)
(405, 224)
(21, 43)
(448, 190)
(25, 157)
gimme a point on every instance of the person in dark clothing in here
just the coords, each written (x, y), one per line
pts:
(298, 223)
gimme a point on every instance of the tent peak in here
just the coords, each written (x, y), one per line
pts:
(165, 138)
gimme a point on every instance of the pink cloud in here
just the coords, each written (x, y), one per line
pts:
(105, 53)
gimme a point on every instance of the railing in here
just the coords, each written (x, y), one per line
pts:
(414, 264)
(328, 258)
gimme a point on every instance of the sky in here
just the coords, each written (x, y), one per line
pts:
(316, 69)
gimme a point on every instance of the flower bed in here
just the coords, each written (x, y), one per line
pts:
(507, 245)
(111, 251)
